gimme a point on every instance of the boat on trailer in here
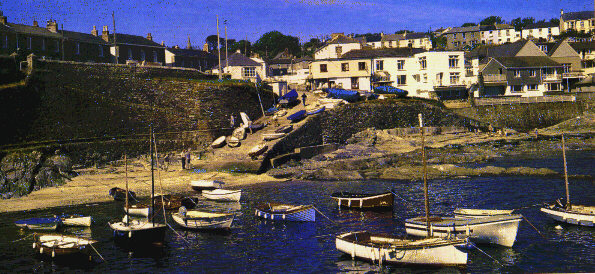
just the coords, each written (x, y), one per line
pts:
(582, 215)
(363, 200)
(56, 245)
(286, 212)
(224, 195)
(396, 250)
(195, 219)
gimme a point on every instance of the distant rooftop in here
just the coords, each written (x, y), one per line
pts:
(375, 53)
(578, 15)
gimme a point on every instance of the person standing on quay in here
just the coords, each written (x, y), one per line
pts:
(183, 159)
(188, 159)
(304, 98)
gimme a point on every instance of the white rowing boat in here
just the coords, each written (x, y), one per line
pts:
(55, 245)
(195, 219)
(223, 195)
(467, 213)
(200, 185)
(75, 220)
(285, 212)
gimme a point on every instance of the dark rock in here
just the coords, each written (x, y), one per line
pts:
(19, 171)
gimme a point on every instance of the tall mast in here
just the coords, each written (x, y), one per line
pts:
(568, 206)
(423, 155)
(152, 175)
(218, 48)
(127, 210)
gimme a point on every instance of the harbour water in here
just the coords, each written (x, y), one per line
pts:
(255, 245)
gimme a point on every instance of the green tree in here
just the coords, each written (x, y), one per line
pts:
(273, 42)
(403, 31)
(555, 21)
(438, 42)
(212, 42)
(491, 20)
(309, 47)
(244, 46)
(468, 25)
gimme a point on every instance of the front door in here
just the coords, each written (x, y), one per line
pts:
(354, 83)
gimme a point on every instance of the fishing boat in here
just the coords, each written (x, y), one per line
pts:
(347, 95)
(219, 142)
(468, 213)
(48, 224)
(194, 219)
(76, 220)
(289, 98)
(284, 129)
(272, 136)
(56, 245)
(139, 232)
(239, 133)
(257, 150)
(431, 250)
(297, 116)
(315, 110)
(363, 200)
(119, 194)
(396, 250)
(500, 229)
(286, 212)
(233, 141)
(582, 215)
(223, 195)
(200, 185)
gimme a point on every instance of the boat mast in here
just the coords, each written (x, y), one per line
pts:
(423, 155)
(127, 210)
(568, 206)
(152, 175)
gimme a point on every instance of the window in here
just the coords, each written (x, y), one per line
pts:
(532, 87)
(155, 57)
(401, 80)
(422, 62)
(43, 44)
(361, 65)
(379, 64)
(100, 51)
(516, 88)
(78, 48)
(323, 68)
(463, 35)
(142, 55)
(453, 61)
(532, 73)
(454, 78)
(129, 54)
(249, 71)
(29, 43)
(566, 68)
(517, 73)
(400, 64)
(344, 66)
(339, 50)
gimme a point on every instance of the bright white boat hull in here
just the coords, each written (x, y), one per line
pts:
(223, 222)
(466, 213)
(78, 221)
(223, 195)
(439, 254)
(500, 230)
(571, 217)
(142, 211)
(205, 184)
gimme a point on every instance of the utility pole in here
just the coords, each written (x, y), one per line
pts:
(116, 51)
(218, 49)
(62, 27)
(226, 61)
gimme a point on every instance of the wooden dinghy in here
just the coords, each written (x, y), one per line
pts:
(500, 230)
(233, 141)
(284, 129)
(257, 150)
(286, 212)
(170, 202)
(315, 110)
(468, 213)
(219, 142)
(396, 250)
(48, 224)
(272, 136)
(223, 195)
(194, 219)
(119, 194)
(200, 185)
(364, 201)
(55, 245)
(76, 220)
(239, 133)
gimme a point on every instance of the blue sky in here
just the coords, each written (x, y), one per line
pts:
(174, 20)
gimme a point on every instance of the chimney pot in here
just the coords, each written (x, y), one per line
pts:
(35, 24)
(94, 32)
(52, 26)
(149, 37)
(105, 34)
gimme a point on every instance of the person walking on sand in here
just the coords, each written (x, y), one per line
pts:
(187, 156)
(183, 159)
(232, 122)
(304, 98)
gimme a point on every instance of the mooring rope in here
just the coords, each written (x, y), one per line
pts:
(533, 227)
(22, 239)
(97, 252)
(391, 191)
(473, 245)
(323, 215)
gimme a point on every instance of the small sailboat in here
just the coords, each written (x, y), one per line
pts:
(363, 200)
(224, 195)
(195, 219)
(286, 212)
(56, 245)
(582, 215)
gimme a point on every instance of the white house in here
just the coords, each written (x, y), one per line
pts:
(338, 45)
(499, 34)
(404, 40)
(542, 31)
(241, 67)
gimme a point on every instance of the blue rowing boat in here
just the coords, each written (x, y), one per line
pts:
(289, 98)
(347, 95)
(50, 223)
(297, 116)
(391, 90)
(285, 212)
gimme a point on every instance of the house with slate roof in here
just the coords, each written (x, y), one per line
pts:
(581, 21)
(498, 34)
(241, 67)
(586, 51)
(45, 42)
(189, 58)
(338, 45)
(543, 31)
(463, 37)
(130, 48)
(406, 39)
(85, 47)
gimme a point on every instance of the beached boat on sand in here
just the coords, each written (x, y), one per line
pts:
(272, 136)
(56, 245)
(315, 110)
(257, 150)
(297, 116)
(119, 194)
(363, 200)
(286, 212)
(194, 219)
(284, 129)
(233, 141)
(200, 185)
(219, 142)
(225, 195)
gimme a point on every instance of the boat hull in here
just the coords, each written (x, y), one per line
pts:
(467, 213)
(500, 230)
(223, 195)
(77, 221)
(299, 214)
(62, 245)
(570, 216)
(378, 248)
(138, 232)
(46, 224)
(223, 222)
(364, 201)
(219, 142)
(200, 185)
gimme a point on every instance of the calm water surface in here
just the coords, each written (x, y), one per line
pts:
(255, 245)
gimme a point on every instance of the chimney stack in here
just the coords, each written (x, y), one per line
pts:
(162, 43)
(105, 34)
(35, 24)
(52, 26)
(94, 32)
(561, 12)
(189, 46)
(149, 37)
(205, 47)
(3, 19)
